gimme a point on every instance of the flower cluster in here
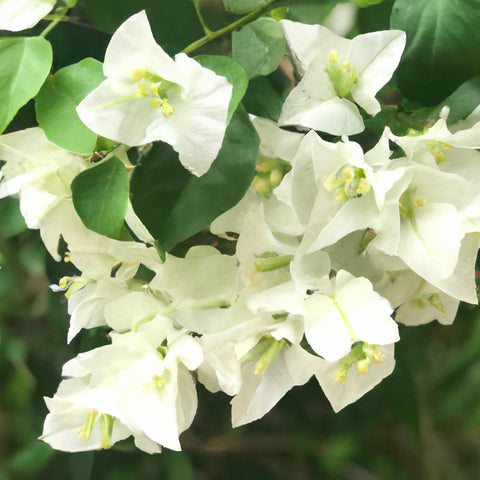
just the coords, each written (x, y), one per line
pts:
(333, 245)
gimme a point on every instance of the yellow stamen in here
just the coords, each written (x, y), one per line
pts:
(167, 109)
(137, 74)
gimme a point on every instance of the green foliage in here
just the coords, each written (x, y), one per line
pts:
(463, 100)
(442, 46)
(100, 197)
(233, 72)
(243, 6)
(174, 24)
(259, 47)
(365, 3)
(173, 204)
(57, 101)
(25, 64)
(311, 11)
(265, 95)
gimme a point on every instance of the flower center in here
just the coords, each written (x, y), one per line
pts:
(349, 182)
(362, 354)
(342, 75)
(269, 173)
(154, 87)
(437, 149)
(265, 352)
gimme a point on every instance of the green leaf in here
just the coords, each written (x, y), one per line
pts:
(174, 23)
(463, 101)
(311, 11)
(365, 3)
(57, 101)
(25, 63)
(442, 46)
(265, 95)
(259, 47)
(173, 204)
(100, 197)
(233, 72)
(243, 6)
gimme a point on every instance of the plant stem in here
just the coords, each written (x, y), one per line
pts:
(200, 18)
(229, 28)
(56, 18)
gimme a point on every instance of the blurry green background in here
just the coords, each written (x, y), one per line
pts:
(422, 422)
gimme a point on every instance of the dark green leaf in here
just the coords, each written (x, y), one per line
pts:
(442, 46)
(463, 100)
(265, 95)
(233, 72)
(259, 47)
(174, 23)
(243, 6)
(311, 11)
(57, 101)
(25, 63)
(173, 204)
(100, 197)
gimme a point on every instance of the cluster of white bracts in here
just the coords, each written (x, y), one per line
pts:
(329, 241)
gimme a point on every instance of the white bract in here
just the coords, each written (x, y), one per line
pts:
(142, 380)
(147, 96)
(16, 15)
(346, 381)
(38, 170)
(349, 313)
(337, 74)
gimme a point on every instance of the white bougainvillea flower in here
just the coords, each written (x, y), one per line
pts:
(438, 144)
(16, 15)
(337, 74)
(38, 171)
(148, 96)
(76, 415)
(352, 311)
(205, 278)
(418, 302)
(344, 382)
(291, 367)
(146, 375)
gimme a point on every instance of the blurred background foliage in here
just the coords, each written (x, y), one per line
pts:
(422, 422)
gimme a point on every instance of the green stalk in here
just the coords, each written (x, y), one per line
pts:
(229, 28)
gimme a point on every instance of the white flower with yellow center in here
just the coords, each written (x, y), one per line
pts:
(148, 96)
(16, 15)
(337, 74)
(350, 312)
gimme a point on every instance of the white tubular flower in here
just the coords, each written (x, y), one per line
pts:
(261, 391)
(81, 418)
(344, 382)
(86, 305)
(337, 74)
(352, 311)
(437, 144)
(146, 374)
(147, 96)
(38, 170)
(16, 15)
(419, 302)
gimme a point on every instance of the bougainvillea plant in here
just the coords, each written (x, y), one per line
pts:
(234, 234)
